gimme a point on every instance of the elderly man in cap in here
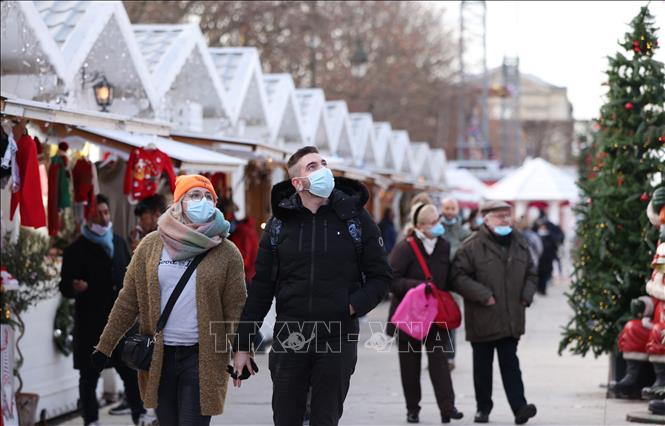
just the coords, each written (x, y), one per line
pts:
(494, 273)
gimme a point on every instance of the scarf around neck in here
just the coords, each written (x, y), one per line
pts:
(428, 243)
(106, 240)
(184, 239)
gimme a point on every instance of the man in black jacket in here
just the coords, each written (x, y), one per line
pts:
(93, 270)
(326, 266)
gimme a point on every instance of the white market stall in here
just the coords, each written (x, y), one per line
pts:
(537, 181)
(465, 187)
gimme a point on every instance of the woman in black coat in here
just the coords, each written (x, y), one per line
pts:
(408, 274)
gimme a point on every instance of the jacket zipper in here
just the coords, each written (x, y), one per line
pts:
(325, 235)
(311, 274)
(300, 238)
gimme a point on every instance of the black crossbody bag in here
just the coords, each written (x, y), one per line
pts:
(137, 349)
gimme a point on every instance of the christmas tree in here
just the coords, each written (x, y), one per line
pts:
(618, 174)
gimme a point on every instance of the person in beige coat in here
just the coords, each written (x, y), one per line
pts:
(187, 379)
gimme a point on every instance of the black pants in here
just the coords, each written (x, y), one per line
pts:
(88, 378)
(410, 355)
(179, 400)
(509, 364)
(328, 372)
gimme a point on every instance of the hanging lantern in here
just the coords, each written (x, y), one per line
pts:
(359, 61)
(103, 93)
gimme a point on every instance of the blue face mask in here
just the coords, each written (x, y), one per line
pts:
(321, 182)
(447, 221)
(437, 230)
(479, 221)
(503, 230)
(200, 211)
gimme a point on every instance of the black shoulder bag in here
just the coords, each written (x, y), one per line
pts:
(138, 348)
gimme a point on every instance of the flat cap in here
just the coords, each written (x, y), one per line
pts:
(492, 205)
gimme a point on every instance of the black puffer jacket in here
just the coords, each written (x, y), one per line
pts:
(318, 270)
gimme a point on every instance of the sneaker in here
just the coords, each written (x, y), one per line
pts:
(147, 420)
(121, 409)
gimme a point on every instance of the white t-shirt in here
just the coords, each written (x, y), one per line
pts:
(182, 327)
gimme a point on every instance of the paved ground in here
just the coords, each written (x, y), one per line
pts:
(567, 390)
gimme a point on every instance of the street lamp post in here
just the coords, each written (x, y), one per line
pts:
(359, 61)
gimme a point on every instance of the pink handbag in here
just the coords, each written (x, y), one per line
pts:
(416, 312)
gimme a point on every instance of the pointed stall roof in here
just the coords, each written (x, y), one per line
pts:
(181, 67)
(28, 49)
(312, 110)
(362, 134)
(535, 180)
(283, 109)
(437, 164)
(242, 78)
(399, 146)
(418, 158)
(340, 129)
(90, 33)
(465, 181)
(382, 153)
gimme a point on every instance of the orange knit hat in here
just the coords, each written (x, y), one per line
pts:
(186, 182)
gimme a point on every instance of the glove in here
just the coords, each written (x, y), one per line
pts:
(637, 308)
(99, 361)
(245, 371)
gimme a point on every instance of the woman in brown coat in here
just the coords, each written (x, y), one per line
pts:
(408, 274)
(187, 379)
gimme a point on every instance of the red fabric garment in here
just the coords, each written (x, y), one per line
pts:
(246, 239)
(144, 168)
(29, 196)
(84, 190)
(53, 211)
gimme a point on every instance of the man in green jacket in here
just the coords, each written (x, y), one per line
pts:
(495, 275)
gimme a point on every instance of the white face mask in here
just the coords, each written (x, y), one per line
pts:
(99, 229)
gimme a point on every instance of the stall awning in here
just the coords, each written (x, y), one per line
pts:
(52, 113)
(244, 148)
(192, 158)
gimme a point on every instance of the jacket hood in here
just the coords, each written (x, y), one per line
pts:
(347, 199)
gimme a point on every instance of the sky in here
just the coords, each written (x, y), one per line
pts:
(565, 43)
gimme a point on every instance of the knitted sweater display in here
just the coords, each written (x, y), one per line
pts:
(59, 196)
(144, 168)
(84, 176)
(29, 194)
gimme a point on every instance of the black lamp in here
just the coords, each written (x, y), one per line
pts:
(103, 93)
(359, 61)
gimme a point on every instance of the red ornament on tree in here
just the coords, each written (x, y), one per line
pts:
(629, 106)
(644, 197)
(620, 180)
(661, 139)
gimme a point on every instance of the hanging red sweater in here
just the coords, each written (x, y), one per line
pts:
(84, 190)
(144, 168)
(29, 196)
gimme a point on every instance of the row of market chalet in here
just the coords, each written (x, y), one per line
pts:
(211, 110)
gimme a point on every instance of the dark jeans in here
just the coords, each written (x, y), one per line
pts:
(88, 379)
(179, 400)
(451, 345)
(509, 364)
(328, 372)
(410, 355)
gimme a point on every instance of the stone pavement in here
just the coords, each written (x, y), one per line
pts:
(567, 390)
